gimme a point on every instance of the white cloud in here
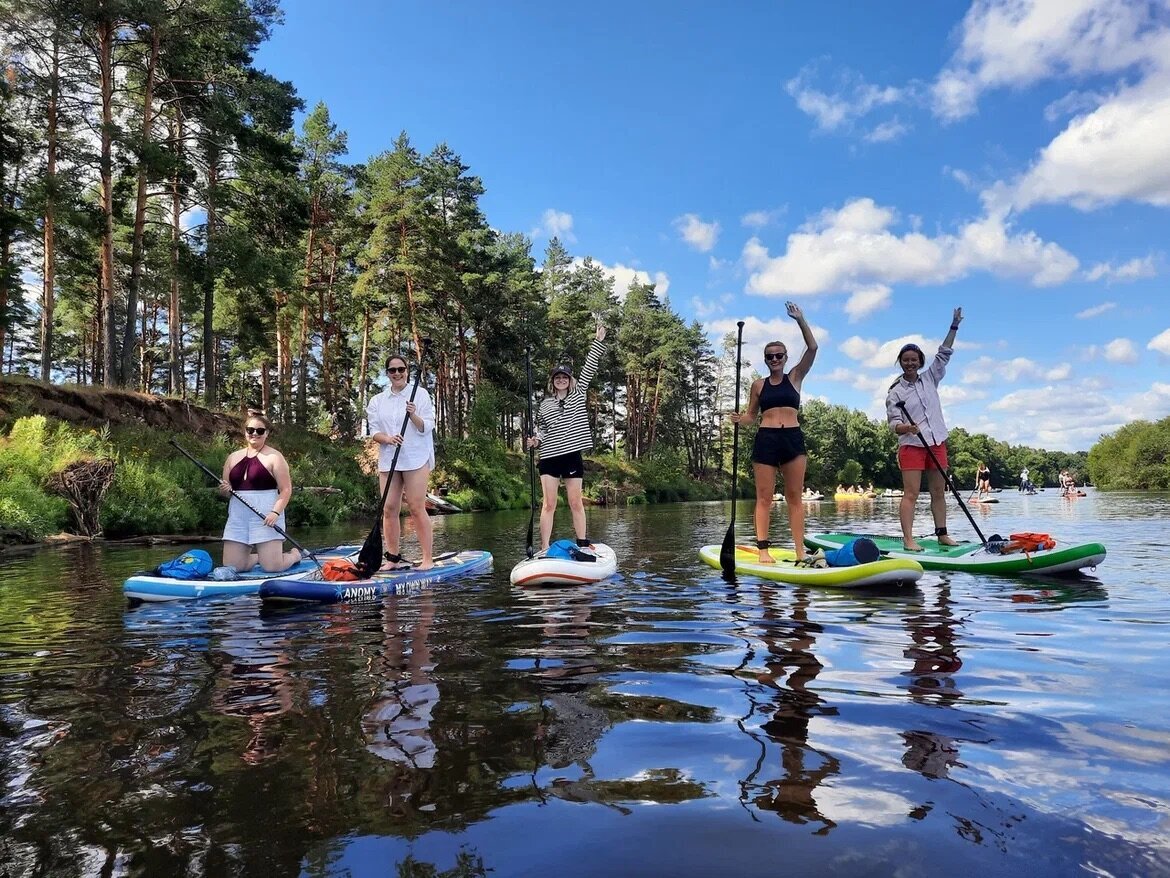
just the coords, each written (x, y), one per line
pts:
(1160, 342)
(1120, 151)
(1073, 104)
(1121, 350)
(1014, 43)
(851, 99)
(757, 219)
(699, 235)
(886, 132)
(988, 370)
(1040, 416)
(1096, 310)
(853, 248)
(866, 301)
(556, 224)
(757, 333)
(623, 275)
(1134, 269)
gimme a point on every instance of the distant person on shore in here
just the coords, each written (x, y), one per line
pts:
(385, 414)
(258, 473)
(918, 390)
(983, 479)
(779, 444)
(562, 434)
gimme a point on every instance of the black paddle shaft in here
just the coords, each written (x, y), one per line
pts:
(946, 476)
(370, 556)
(727, 551)
(183, 451)
(529, 431)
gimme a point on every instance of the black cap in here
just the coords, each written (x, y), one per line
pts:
(562, 368)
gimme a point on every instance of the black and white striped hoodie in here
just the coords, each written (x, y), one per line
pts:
(562, 425)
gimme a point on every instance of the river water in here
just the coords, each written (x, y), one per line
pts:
(663, 723)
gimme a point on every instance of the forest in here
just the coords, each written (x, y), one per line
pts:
(166, 227)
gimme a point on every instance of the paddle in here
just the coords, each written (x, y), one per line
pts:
(183, 451)
(370, 556)
(945, 475)
(528, 432)
(727, 551)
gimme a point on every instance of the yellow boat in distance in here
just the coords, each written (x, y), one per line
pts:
(846, 496)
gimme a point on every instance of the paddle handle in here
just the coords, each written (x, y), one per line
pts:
(183, 451)
(946, 476)
(529, 431)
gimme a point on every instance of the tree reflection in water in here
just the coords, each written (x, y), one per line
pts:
(791, 668)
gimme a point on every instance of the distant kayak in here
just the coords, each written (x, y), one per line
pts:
(845, 495)
(543, 570)
(984, 501)
(1071, 494)
(148, 586)
(888, 571)
(311, 589)
(973, 558)
(805, 498)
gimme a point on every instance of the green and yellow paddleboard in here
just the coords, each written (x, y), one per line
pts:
(886, 572)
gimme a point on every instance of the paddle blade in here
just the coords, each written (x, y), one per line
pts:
(727, 551)
(369, 558)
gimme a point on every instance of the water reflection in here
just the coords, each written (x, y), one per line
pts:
(791, 669)
(931, 681)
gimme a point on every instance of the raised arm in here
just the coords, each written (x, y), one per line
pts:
(796, 373)
(593, 360)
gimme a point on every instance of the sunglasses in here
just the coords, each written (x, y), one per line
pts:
(255, 431)
(775, 356)
(396, 370)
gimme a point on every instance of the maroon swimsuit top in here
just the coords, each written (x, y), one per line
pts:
(251, 475)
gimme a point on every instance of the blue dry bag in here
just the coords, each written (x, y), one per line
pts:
(195, 564)
(568, 550)
(859, 551)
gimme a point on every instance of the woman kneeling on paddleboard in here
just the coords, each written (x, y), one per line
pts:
(562, 433)
(917, 390)
(258, 473)
(779, 443)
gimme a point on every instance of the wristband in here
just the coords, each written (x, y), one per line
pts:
(954, 327)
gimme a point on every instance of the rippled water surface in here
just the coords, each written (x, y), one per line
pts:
(663, 723)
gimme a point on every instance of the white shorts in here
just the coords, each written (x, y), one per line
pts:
(245, 526)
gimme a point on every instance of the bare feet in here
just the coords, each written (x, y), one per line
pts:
(425, 564)
(766, 556)
(947, 540)
(912, 546)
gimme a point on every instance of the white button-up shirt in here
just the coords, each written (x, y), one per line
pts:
(922, 402)
(385, 414)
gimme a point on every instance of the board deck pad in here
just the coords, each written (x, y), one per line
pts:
(885, 572)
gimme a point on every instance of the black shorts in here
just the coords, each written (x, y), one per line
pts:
(563, 466)
(776, 446)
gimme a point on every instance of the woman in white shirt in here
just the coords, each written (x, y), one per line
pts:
(416, 459)
(917, 388)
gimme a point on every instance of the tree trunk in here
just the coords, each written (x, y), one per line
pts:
(178, 384)
(364, 364)
(105, 39)
(137, 246)
(302, 404)
(49, 270)
(283, 356)
(209, 377)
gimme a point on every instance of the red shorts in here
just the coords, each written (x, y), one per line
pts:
(914, 457)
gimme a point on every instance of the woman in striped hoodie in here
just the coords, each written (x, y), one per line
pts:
(562, 433)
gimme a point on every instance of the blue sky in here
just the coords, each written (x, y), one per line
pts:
(877, 163)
